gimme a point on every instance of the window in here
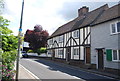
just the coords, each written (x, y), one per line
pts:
(60, 52)
(115, 28)
(50, 41)
(116, 55)
(118, 27)
(61, 38)
(76, 34)
(76, 51)
(112, 55)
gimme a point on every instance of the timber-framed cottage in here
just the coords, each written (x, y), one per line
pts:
(72, 41)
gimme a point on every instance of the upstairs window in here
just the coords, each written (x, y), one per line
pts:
(118, 27)
(61, 38)
(50, 41)
(115, 28)
(76, 34)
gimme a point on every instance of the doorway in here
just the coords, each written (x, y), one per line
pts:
(53, 54)
(100, 59)
(68, 54)
(87, 55)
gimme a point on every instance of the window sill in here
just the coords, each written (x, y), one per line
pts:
(115, 33)
(116, 61)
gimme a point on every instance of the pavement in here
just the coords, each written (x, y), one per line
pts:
(25, 74)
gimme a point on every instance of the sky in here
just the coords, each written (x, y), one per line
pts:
(50, 14)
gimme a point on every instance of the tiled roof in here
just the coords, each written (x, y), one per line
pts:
(90, 17)
(111, 13)
(64, 28)
(96, 16)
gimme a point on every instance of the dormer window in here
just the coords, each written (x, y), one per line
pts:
(76, 34)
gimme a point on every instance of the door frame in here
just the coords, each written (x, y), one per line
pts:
(100, 59)
(68, 56)
(86, 55)
(53, 54)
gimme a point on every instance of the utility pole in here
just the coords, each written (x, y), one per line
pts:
(19, 42)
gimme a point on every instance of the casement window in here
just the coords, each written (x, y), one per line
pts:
(61, 38)
(76, 51)
(60, 52)
(50, 41)
(115, 28)
(76, 34)
(118, 27)
(113, 55)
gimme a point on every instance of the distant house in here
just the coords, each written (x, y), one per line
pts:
(105, 39)
(93, 38)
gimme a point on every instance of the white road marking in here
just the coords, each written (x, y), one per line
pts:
(74, 77)
(33, 75)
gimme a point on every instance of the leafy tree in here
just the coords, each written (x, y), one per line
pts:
(37, 38)
(9, 41)
(8, 52)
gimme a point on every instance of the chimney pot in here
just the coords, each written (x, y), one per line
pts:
(82, 11)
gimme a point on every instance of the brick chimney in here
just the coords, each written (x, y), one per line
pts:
(82, 11)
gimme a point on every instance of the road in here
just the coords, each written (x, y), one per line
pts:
(51, 71)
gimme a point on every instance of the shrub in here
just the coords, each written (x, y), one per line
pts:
(8, 59)
(40, 50)
(43, 50)
(30, 51)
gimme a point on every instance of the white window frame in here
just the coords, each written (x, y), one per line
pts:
(61, 38)
(60, 52)
(117, 56)
(77, 49)
(115, 27)
(50, 41)
(76, 34)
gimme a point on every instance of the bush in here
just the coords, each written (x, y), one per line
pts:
(8, 59)
(30, 51)
(41, 50)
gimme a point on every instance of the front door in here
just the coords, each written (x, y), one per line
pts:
(87, 55)
(68, 54)
(100, 59)
(53, 54)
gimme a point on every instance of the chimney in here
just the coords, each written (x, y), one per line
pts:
(82, 11)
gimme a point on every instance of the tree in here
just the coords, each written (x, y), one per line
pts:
(8, 52)
(37, 38)
(9, 41)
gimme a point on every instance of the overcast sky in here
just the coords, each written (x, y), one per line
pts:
(51, 14)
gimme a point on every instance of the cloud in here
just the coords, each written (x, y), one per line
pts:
(70, 9)
(51, 14)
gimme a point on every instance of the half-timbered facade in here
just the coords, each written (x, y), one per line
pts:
(72, 41)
